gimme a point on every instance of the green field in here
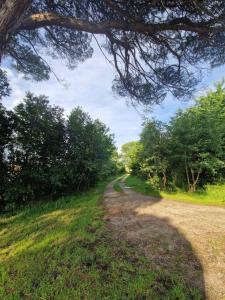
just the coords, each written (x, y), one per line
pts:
(63, 250)
(211, 195)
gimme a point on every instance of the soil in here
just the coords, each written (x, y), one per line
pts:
(180, 238)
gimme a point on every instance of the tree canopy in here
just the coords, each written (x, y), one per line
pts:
(130, 152)
(42, 154)
(187, 152)
(156, 47)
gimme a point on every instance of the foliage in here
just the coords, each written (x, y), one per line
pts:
(44, 155)
(141, 186)
(189, 151)
(210, 195)
(63, 250)
(154, 140)
(4, 85)
(90, 147)
(5, 138)
(129, 155)
(157, 47)
(117, 162)
(36, 149)
(197, 141)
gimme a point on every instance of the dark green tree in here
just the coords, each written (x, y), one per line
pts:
(154, 139)
(198, 140)
(189, 151)
(44, 156)
(4, 85)
(6, 127)
(37, 148)
(90, 146)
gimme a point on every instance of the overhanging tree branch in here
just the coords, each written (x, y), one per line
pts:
(156, 46)
(40, 20)
(11, 13)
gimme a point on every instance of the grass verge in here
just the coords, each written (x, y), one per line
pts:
(212, 195)
(63, 250)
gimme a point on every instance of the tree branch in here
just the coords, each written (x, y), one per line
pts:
(11, 14)
(40, 20)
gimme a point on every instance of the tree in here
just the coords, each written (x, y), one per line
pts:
(189, 151)
(155, 151)
(4, 85)
(42, 155)
(6, 128)
(130, 156)
(37, 148)
(116, 163)
(156, 46)
(198, 140)
(90, 147)
(103, 148)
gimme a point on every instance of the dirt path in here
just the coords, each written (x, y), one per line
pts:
(179, 237)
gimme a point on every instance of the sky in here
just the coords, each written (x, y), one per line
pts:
(89, 86)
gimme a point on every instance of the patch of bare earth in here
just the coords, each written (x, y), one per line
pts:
(182, 238)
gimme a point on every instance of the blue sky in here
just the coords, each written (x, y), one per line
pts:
(89, 86)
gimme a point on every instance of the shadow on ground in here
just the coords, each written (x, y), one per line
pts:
(155, 237)
(63, 250)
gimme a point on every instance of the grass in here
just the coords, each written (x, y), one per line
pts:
(117, 187)
(63, 250)
(141, 186)
(211, 195)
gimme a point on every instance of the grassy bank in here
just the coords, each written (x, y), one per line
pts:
(63, 250)
(212, 195)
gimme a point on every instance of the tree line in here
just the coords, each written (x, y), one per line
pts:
(42, 154)
(188, 152)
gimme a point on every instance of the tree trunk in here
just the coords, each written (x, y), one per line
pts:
(164, 180)
(194, 180)
(11, 14)
(188, 179)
